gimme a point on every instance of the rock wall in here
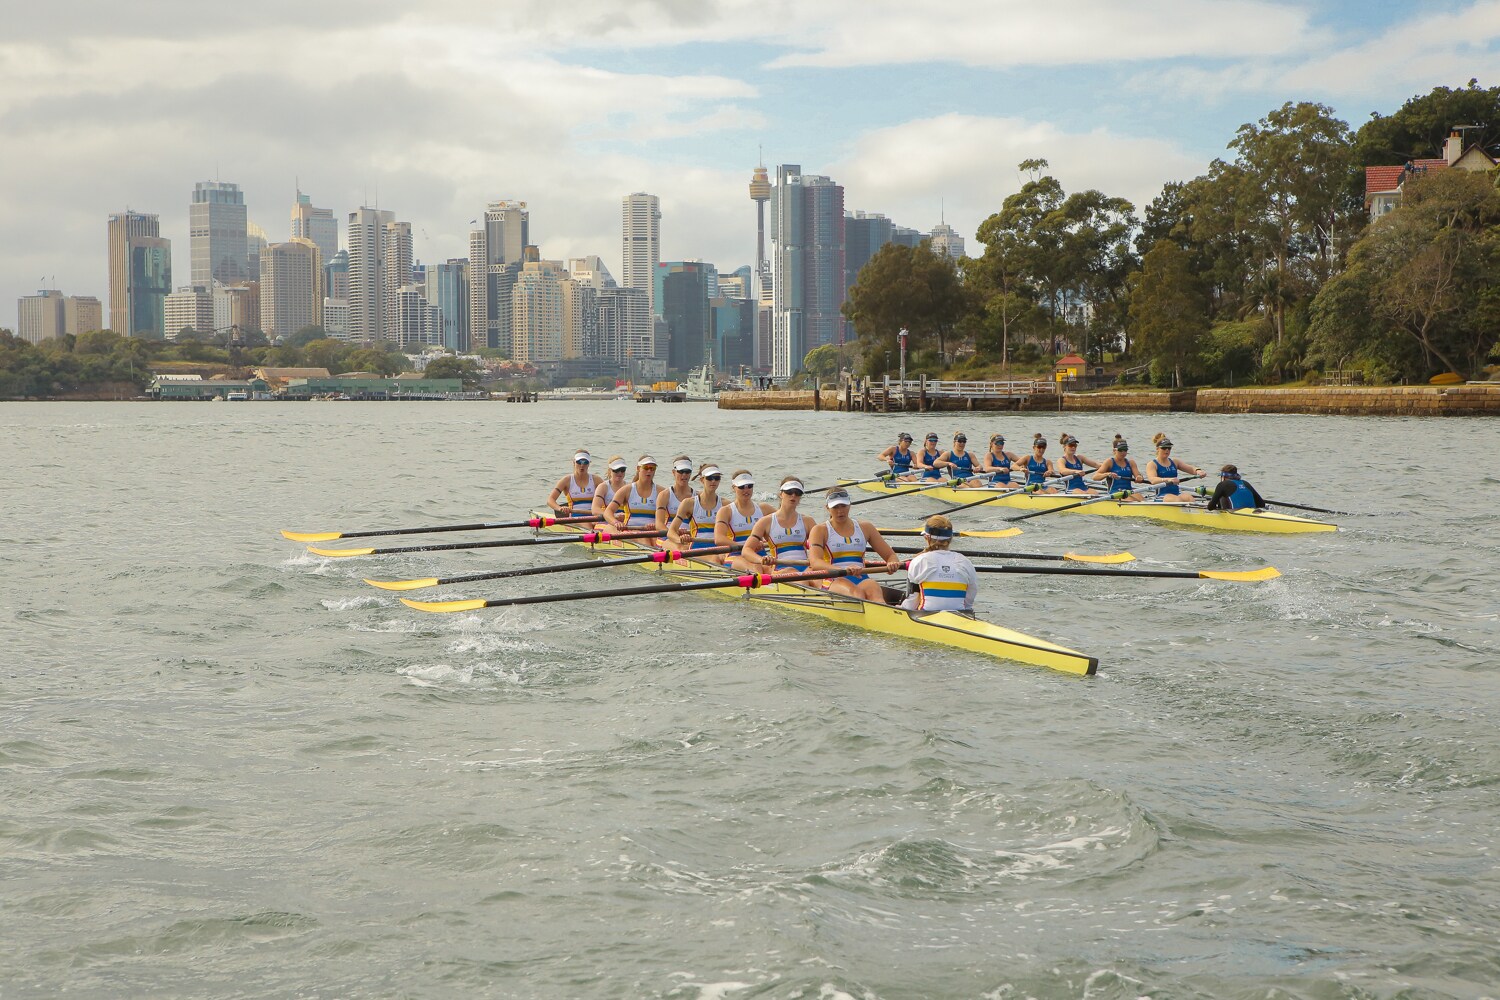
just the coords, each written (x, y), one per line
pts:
(787, 399)
(1141, 401)
(1394, 401)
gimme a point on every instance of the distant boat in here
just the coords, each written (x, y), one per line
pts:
(237, 397)
(700, 385)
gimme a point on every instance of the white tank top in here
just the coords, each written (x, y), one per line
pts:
(702, 524)
(846, 550)
(673, 503)
(641, 510)
(790, 543)
(743, 524)
(577, 493)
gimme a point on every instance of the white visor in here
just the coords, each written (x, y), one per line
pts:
(682, 466)
(582, 455)
(838, 500)
(712, 470)
(744, 479)
(645, 460)
(618, 465)
(791, 485)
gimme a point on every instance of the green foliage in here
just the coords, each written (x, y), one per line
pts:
(461, 368)
(908, 288)
(1167, 310)
(825, 361)
(1230, 353)
(305, 336)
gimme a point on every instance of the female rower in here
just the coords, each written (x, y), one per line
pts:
(576, 490)
(927, 459)
(693, 524)
(1120, 471)
(939, 579)
(671, 498)
(606, 490)
(634, 505)
(1071, 461)
(736, 519)
(958, 459)
(1164, 471)
(997, 462)
(1038, 469)
(899, 457)
(1233, 493)
(782, 534)
(841, 542)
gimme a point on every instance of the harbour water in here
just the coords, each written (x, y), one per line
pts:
(231, 769)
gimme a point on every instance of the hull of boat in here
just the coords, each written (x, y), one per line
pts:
(943, 627)
(1189, 515)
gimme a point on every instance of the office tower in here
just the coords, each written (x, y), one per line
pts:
(537, 310)
(864, 234)
(732, 333)
(448, 291)
(945, 240)
(291, 287)
(907, 237)
(496, 246)
(124, 228)
(627, 331)
(237, 306)
(641, 243)
(366, 273)
(82, 314)
(396, 273)
(760, 193)
(192, 308)
(415, 322)
(590, 271)
(580, 320)
(40, 316)
(807, 272)
(316, 224)
(683, 304)
(255, 242)
(217, 234)
(336, 318)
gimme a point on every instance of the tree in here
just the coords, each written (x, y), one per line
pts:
(305, 336)
(97, 342)
(1166, 308)
(459, 368)
(325, 353)
(1419, 129)
(908, 288)
(367, 359)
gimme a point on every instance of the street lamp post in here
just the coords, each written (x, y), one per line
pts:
(901, 336)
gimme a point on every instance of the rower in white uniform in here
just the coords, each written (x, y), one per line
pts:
(939, 579)
(634, 505)
(841, 543)
(737, 518)
(574, 493)
(693, 524)
(778, 542)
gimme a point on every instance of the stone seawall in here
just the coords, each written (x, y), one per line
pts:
(790, 399)
(1181, 401)
(1389, 401)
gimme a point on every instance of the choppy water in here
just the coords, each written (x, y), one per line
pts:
(230, 769)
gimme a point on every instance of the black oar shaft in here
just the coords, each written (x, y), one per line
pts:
(1085, 503)
(588, 536)
(1301, 506)
(748, 581)
(975, 553)
(857, 482)
(530, 522)
(665, 556)
(990, 499)
(906, 492)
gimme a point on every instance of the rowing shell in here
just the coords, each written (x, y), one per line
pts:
(947, 628)
(1157, 510)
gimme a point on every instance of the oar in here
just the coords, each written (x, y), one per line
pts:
(591, 537)
(748, 581)
(1238, 576)
(530, 522)
(664, 556)
(1085, 503)
(996, 496)
(857, 482)
(918, 489)
(996, 533)
(1315, 510)
(1108, 559)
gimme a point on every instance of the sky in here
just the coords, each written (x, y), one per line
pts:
(921, 110)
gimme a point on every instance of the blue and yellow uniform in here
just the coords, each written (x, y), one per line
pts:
(790, 544)
(847, 550)
(639, 511)
(1168, 471)
(1074, 482)
(1036, 470)
(701, 525)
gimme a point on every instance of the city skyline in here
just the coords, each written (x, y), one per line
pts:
(921, 115)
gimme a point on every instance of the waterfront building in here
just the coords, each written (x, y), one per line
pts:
(291, 287)
(189, 308)
(683, 294)
(416, 322)
(580, 319)
(316, 224)
(640, 218)
(40, 316)
(945, 240)
(497, 244)
(864, 234)
(218, 234)
(448, 290)
(807, 270)
(82, 314)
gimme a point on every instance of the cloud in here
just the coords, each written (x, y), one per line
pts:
(964, 166)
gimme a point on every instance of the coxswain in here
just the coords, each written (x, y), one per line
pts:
(938, 579)
(606, 490)
(1072, 462)
(1233, 493)
(841, 542)
(737, 518)
(998, 463)
(1120, 471)
(927, 459)
(671, 498)
(899, 457)
(634, 505)
(576, 490)
(958, 459)
(693, 524)
(1163, 472)
(778, 542)
(1038, 469)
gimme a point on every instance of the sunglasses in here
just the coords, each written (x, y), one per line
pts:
(1164, 447)
(745, 486)
(792, 493)
(581, 461)
(649, 468)
(682, 472)
(712, 479)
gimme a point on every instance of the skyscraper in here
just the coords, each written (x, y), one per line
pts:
(627, 332)
(497, 244)
(291, 287)
(124, 228)
(368, 278)
(40, 316)
(396, 274)
(760, 193)
(82, 313)
(683, 302)
(537, 311)
(448, 290)
(945, 240)
(807, 272)
(316, 224)
(641, 243)
(191, 308)
(217, 229)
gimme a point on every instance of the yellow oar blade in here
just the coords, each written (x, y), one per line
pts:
(340, 553)
(1242, 576)
(1108, 559)
(997, 533)
(441, 606)
(311, 536)
(431, 581)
